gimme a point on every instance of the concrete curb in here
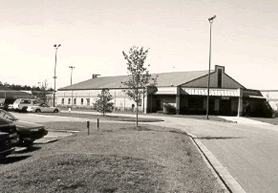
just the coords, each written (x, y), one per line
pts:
(227, 181)
(46, 141)
(64, 131)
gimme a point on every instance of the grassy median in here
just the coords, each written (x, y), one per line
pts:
(117, 158)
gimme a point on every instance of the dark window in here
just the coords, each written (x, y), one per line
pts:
(74, 101)
(69, 101)
(63, 101)
(219, 78)
(82, 101)
(195, 103)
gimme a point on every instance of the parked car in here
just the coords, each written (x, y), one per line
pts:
(21, 104)
(44, 108)
(2, 102)
(6, 147)
(8, 107)
(8, 138)
(27, 132)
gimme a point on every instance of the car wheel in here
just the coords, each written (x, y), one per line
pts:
(28, 143)
(24, 109)
(38, 111)
(56, 111)
(2, 159)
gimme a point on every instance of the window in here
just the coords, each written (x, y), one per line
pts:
(74, 101)
(25, 102)
(82, 101)
(88, 101)
(63, 101)
(219, 78)
(69, 101)
(195, 103)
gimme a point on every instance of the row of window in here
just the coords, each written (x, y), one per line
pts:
(74, 101)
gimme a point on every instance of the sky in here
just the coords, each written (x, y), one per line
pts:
(93, 35)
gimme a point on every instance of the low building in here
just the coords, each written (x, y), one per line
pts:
(185, 91)
(272, 98)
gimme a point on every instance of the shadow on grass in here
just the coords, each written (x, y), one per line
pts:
(178, 132)
(139, 128)
(210, 138)
(14, 159)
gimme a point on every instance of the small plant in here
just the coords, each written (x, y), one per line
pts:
(169, 109)
(104, 104)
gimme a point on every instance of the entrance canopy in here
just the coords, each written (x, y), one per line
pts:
(212, 92)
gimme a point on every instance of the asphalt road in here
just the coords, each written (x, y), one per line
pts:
(247, 151)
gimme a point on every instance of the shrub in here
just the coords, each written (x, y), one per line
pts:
(169, 109)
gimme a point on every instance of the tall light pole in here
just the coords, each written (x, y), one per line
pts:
(210, 22)
(55, 77)
(71, 67)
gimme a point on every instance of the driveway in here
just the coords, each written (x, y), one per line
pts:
(247, 151)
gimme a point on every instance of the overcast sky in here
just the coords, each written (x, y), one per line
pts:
(94, 33)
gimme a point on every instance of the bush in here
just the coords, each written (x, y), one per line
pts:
(169, 109)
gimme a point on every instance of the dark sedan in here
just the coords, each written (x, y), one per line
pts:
(27, 132)
(8, 138)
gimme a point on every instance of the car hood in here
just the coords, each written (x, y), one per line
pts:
(27, 125)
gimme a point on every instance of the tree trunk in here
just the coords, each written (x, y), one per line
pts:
(136, 114)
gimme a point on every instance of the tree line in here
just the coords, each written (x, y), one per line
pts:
(25, 87)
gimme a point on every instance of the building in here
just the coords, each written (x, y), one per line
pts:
(185, 91)
(272, 98)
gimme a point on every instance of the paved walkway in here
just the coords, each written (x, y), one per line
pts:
(244, 120)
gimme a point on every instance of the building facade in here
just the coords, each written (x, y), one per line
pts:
(185, 91)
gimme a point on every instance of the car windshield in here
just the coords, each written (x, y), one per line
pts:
(7, 115)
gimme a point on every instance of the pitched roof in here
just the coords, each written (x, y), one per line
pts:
(114, 82)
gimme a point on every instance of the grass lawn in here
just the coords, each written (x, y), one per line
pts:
(116, 117)
(113, 117)
(118, 158)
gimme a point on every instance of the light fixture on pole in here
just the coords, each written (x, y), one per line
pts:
(55, 77)
(210, 22)
(71, 67)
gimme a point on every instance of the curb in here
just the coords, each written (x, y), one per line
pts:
(46, 141)
(64, 131)
(224, 177)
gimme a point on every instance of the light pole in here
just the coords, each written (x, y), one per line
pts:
(71, 67)
(55, 77)
(210, 22)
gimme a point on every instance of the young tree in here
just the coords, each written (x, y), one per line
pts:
(104, 104)
(138, 83)
(42, 93)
